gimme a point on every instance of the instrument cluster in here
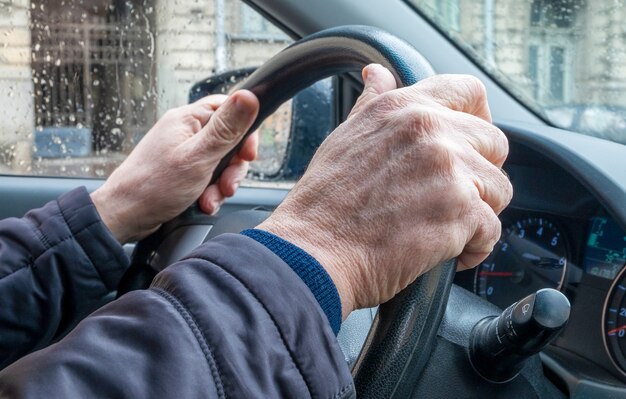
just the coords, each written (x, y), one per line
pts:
(584, 257)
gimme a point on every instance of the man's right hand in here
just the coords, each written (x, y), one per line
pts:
(412, 178)
(172, 165)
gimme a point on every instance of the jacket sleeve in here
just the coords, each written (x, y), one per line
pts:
(57, 264)
(232, 320)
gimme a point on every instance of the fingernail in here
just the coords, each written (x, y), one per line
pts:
(365, 73)
(216, 208)
(234, 103)
(235, 100)
(239, 104)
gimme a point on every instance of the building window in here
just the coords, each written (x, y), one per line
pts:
(550, 51)
(553, 13)
(549, 72)
(445, 13)
(92, 69)
(448, 14)
(253, 26)
(533, 70)
(557, 73)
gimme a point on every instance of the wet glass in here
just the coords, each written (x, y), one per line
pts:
(83, 81)
(564, 59)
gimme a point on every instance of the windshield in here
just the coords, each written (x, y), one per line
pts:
(564, 59)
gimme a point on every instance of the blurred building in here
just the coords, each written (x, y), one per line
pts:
(556, 51)
(110, 68)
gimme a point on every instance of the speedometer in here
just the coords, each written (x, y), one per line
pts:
(530, 255)
(614, 322)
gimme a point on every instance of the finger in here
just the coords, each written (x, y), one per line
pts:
(211, 200)
(203, 109)
(228, 124)
(232, 177)
(494, 187)
(250, 148)
(377, 80)
(463, 93)
(484, 137)
(486, 234)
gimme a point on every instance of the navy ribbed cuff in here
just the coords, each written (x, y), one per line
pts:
(308, 269)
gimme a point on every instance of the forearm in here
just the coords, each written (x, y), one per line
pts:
(57, 264)
(232, 318)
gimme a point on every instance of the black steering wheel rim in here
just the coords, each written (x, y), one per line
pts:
(323, 54)
(403, 333)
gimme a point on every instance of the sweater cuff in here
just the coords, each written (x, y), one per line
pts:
(308, 269)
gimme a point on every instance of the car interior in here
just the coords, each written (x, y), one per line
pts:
(563, 244)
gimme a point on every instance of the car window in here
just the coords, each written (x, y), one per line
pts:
(559, 57)
(83, 81)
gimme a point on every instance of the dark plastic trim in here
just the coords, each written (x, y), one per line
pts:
(597, 164)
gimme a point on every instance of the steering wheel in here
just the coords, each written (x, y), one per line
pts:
(404, 330)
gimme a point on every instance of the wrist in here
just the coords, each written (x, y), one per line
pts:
(297, 233)
(109, 211)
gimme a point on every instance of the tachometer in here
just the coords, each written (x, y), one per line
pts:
(530, 255)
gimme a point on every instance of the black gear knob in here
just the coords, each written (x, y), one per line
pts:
(500, 345)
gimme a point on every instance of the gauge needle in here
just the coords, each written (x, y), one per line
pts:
(542, 261)
(616, 330)
(496, 274)
(529, 256)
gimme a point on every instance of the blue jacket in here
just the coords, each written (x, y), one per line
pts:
(232, 320)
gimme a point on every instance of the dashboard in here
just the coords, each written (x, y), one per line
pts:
(577, 196)
(556, 234)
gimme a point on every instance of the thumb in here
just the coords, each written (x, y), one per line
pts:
(377, 79)
(228, 124)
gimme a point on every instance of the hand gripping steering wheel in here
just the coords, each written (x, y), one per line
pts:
(403, 333)
(399, 342)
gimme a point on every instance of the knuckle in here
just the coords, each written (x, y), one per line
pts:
(439, 157)
(188, 118)
(508, 193)
(369, 92)
(464, 197)
(503, 190)
(421, 120)
(457, 240)
(452, 206)
(177, 163)
(487, 230)
(384, 104)
(196, 126)
(222, 130)
(493, 229)
(500, 144)
(365, 100)
(504, 183)
(475, 87)
(485, 137)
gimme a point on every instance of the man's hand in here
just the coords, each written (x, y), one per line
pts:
(411, 179)
(171, 166)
